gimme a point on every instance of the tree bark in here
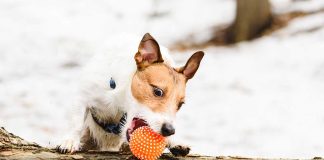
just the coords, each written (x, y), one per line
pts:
(14, 147)
(252, 17)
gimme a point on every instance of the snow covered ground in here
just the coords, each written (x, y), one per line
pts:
(259, 98)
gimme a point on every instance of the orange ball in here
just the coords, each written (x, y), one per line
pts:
(146, 144)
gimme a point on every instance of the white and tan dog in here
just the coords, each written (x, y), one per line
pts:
(122, 92)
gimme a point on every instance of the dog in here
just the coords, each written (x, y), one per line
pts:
(122, 92)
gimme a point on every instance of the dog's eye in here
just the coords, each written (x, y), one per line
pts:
(180, 105)
(157, 92)
(112, 83)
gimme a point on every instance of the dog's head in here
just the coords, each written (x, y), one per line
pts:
(158, 87)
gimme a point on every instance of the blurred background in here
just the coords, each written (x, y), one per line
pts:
(259, 90)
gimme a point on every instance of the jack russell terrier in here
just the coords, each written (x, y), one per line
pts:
(122, 93)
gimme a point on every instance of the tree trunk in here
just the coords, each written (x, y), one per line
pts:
(252, 17)
(14, 147)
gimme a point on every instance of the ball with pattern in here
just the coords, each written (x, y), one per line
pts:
(146, 144)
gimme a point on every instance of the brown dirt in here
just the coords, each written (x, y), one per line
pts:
(279, 21)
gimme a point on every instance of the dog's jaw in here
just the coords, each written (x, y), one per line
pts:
(136, 123)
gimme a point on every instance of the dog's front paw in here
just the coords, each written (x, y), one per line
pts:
(180, 150)
(69, 146)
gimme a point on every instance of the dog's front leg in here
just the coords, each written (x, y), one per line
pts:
(73, 141)
(177, 148)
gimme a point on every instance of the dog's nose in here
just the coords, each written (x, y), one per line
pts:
(167, 130)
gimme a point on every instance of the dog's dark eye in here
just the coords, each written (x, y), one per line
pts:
(112, 83)
(157, 92)
(180, 105)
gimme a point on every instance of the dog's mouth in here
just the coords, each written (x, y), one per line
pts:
(136, 123)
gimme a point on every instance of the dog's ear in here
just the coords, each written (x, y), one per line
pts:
(192, 65)
(148, 52)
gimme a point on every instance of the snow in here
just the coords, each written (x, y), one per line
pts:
(262, 98)
(297, 26)
(259, 98)
(285, 6)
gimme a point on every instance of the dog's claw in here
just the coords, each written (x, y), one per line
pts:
(180, 150)
(68, 146)
(63, 151)
(60, 150)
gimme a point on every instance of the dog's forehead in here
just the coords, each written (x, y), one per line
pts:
(162, 73)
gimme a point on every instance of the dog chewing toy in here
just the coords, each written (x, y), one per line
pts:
(146, 144)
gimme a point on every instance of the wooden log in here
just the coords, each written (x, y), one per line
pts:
(14, 147)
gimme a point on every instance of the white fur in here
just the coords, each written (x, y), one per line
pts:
(118, 63)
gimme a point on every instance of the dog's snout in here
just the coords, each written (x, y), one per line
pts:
(167, 130)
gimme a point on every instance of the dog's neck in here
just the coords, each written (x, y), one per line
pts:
(107, 125)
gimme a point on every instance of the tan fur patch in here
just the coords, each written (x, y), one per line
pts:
(164, 77)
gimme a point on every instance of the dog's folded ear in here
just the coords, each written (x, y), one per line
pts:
(148, 52)
(192, 65)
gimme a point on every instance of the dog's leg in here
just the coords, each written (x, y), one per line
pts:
(72, 142)
(176, 148)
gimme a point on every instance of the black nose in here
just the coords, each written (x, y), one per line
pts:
(167, 130)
